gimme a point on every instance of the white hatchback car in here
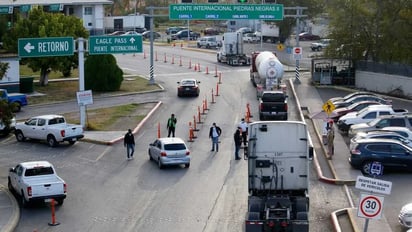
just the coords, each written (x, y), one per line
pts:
(169, 151)
(405, 216)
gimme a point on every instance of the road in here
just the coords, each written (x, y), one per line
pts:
(108, 193)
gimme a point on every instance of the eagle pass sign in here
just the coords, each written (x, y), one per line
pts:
(115, 44)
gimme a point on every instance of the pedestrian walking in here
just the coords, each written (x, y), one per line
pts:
(171, 125)
(129, 143)
(330, 138)
(244, 127)
(214, 134)
(238, 142)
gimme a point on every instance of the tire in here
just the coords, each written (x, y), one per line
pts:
(17, 106)
(207, 46)
(51, 140)
(187, 165)
(198, 46)
(366, 167)
(60, 201)
(159, 164)
(19, 136)
(9, 185)
(150, 156)
(72, 142)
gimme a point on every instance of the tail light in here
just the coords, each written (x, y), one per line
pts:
(163, 153)
(283, 224)
(355, 151)
(271, 224)
(62, 133)
(261, 106)
(28, 191)
(286, 107)
(187, 152)
(65, 187)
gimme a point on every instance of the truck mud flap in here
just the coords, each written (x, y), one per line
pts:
(253, 224)
(300, 226)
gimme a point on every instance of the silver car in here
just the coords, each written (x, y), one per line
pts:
(405, 216)
(169, 151)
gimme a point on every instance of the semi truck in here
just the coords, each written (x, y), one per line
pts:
(266, 72)
(278, 155)
(231, 52)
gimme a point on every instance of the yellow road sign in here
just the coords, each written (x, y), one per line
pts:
(280, 47)
(328, 107)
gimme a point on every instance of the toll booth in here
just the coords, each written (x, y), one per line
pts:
(327, 71)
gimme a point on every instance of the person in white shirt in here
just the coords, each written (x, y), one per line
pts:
(244, 127)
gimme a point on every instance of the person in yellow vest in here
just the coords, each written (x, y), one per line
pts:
(171, 125)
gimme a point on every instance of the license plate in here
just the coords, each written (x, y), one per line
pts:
(187, 88)
(273, 112)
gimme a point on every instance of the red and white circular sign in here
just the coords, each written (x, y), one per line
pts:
(370, 206)
(297, 50)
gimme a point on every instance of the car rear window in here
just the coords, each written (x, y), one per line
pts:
(175, 147)
(39, 171)
(273, 97)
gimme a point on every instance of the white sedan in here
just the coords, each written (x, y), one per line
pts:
(169, 151)
(405, 216)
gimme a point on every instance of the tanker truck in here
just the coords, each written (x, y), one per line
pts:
(278, 156)
(266, 72)
(231, 51)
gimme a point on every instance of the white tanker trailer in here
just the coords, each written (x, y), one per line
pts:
(266, 72)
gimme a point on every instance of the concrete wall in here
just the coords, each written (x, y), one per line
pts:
(384, 83)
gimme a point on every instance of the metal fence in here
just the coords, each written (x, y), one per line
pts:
(393, 69)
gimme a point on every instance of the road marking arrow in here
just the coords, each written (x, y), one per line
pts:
(28, 47)
(132, 40)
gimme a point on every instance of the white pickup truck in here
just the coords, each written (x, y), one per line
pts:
(366, 115)
(36, 181)
(51, 128)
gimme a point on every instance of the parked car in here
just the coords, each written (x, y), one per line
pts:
(346, 97)
(117, 33)
(245, 30)
(169, 151)
(250, 38)
(130, 33)
(379, 134)
(146, 35)
(355, 107)
(392, 154)
(16, 99)
(382, 122)
(183, 35)
(308, 36)
(404, 131)
(405, 216)
(207, 42)
(359, 98)
(211, 31)
(318, 46)
(174, 30)
(140, 30)
(6, 129)
(188, 87)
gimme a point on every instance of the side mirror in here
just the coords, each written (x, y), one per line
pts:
(12, 170)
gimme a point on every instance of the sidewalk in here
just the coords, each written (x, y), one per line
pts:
(309, 99)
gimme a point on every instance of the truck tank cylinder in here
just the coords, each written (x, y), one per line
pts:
(269, 66)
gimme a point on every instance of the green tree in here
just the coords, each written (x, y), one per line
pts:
(43, 24)
(101, 73)
(6, 113)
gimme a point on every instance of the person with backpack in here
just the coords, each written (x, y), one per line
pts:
(171, 125)
(214, 134)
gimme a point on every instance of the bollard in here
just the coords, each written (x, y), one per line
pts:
(174, 44)
(198, 67)
(217, 89)
(215, 70)
(53, 222)
(156, 57)
(194, 123)
(165, 59)
(198, 115)
(158, 130)
(213, 97)
(190, 64)
(181, 45)
(220, 78)
(206, 103)
(144, 54)
(195, 68)
(207, 70)
(173, 59)
(203, 107)
(190, 132)
(180, 61)
(248, 110)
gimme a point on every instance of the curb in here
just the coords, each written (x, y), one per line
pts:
(14, 219)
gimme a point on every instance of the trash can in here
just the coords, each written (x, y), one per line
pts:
(26, 84)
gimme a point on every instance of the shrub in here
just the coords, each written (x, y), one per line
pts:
(101, 73)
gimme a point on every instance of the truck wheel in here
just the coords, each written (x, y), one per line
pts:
(150, 156)
(60, 201)
(9, 185)
(51, 141)
(366, 167)
(187, 165)
(207, 46)
(198, 46)
(17, 107)
(19, 136)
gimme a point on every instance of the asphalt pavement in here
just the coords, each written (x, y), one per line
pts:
(307, 97)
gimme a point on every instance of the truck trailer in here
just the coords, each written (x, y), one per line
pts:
(278, 155)
(266, 72)
(231, 51)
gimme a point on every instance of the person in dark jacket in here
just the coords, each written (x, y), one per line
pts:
(171, 125)
(238, 142)
(129, 143)
(214, 134)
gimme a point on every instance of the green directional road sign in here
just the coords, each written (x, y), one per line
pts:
(49, 46)
(6, 9)
(226, 11)
(115, 44)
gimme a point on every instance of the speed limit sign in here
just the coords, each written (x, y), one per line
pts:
(370, 206)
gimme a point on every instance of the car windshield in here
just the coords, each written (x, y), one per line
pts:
(175, 147)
